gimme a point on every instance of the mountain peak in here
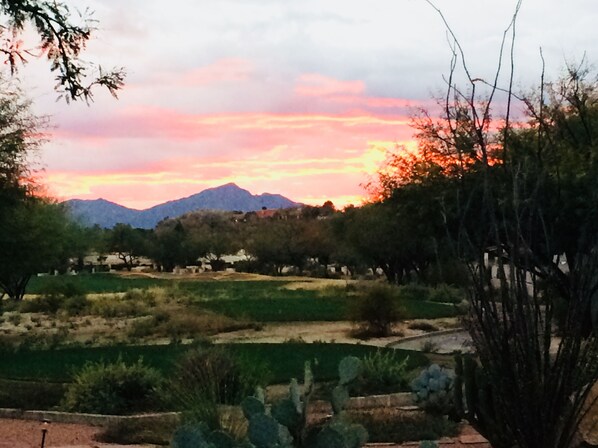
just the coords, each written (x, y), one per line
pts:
(227, 197)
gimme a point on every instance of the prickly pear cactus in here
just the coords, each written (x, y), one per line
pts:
(252, 406)
(428, 444)
(189, 436)
(433, 389)
(263, 431)
(349, 369)
(340, 397)
(198, 436)
(283, 425)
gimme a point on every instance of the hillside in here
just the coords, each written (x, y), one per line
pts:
(227, 197)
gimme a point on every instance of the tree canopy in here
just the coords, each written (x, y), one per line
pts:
(62, 40)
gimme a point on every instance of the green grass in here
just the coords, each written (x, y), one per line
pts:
(261, 301)
(313, 309)
(284, 360)
(281, 309)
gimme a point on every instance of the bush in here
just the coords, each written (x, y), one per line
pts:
(207, 376)
(75, 305)
(112, 306)
(140, 295)
(383, 372)
(117, 388)
(57, 295)
(376, 308)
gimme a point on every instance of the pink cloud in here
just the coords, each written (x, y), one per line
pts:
(319, 85)
(146, 155)
(349, 93)
(223, 70)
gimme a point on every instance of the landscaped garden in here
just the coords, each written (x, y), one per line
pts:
(75, 336)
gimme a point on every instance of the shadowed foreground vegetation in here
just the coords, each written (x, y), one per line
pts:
(283, 360)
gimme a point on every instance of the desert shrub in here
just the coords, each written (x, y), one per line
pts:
(114, 388)
(75, 305)
(113, 306)
(46, 304)
(142, 327)
(446, 294)
(376, 308)
(423, 326)
(146, 296)
(207, 376)
(57, 295)
(383, 372)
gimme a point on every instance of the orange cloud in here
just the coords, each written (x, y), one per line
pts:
(302, 179)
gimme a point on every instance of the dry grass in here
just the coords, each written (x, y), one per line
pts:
(139, 316)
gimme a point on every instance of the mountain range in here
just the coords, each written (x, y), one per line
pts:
(227, 197)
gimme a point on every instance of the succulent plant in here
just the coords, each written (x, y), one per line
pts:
(433, 389)
(428, 444)
(283, 425)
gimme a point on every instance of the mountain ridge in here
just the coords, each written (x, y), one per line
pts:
(227, 197)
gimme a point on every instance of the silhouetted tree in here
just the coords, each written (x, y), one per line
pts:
(62, 40)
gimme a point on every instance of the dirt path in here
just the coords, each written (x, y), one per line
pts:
(339, 332)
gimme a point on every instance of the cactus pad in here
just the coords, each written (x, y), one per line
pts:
(252, 406)
(349, 369)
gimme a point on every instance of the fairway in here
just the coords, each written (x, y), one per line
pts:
(257, 300)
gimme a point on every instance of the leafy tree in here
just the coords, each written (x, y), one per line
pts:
(290, 242)
(270, 242)
(172, 245)
(389, 235)
(19, 138)
(214, 235)
(61, 39)
(33, 238)
(128, 243)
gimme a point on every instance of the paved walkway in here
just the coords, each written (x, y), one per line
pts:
(439, 343)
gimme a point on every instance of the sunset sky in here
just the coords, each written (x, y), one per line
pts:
(297, 97)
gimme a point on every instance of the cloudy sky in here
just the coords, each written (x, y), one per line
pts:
(297, 97)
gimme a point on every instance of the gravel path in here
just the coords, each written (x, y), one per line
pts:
(28, 434)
